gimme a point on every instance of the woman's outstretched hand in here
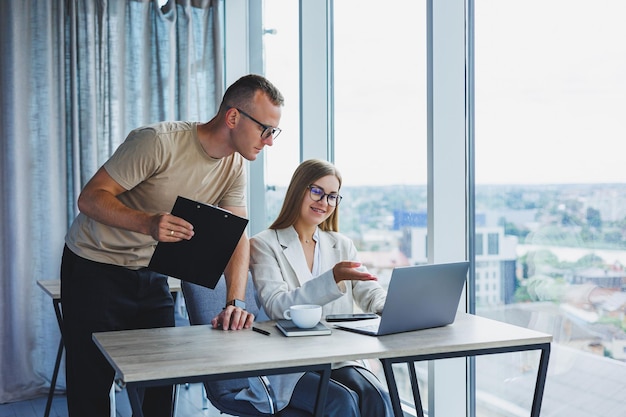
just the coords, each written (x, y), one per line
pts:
(351, 271)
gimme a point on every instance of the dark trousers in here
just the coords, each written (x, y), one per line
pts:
(340, 400)
(353, 391)
(373, 397)
(98, 297)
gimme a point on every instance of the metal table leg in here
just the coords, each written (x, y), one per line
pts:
(57, 310)
(322, 390)
(393, 387)
(417, 399)
(542, 373)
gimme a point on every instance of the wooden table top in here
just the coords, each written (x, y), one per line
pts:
(52, 287)
(192, 351)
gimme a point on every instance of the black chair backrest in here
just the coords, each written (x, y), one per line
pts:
(202, 305)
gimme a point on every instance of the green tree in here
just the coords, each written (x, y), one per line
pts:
(533, 260)
(589, 260)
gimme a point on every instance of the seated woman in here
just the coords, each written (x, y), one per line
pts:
(302, 259)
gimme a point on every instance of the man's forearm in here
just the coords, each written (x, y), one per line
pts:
(236, 272)
(107, 209)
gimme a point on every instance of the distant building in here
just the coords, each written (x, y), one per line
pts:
(382, 263)
(496, 258)
(602, 277)
(383, 260)
(403, 219)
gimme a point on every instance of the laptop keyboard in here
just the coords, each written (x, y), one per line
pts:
(369, 328)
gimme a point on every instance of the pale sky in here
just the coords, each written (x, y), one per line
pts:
(550, 91)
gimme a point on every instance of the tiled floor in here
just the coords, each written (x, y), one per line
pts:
(190, 403)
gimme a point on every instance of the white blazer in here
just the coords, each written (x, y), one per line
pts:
(282, 277)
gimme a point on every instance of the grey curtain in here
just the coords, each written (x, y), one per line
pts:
(75, 77)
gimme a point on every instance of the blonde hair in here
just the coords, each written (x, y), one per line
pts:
(306, 174)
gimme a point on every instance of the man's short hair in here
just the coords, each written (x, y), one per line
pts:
(241, 92)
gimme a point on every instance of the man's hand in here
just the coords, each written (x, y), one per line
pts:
(99, 201)
(165, 227)
(233, 318)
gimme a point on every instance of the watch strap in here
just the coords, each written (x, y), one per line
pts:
(237, 303)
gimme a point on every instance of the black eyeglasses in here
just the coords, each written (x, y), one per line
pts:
(317, 194)
(268, 131)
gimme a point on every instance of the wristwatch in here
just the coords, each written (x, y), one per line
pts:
(237, 303)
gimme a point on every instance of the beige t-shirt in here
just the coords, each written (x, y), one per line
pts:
(156, 164)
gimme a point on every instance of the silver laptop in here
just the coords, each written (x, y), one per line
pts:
(419, 297)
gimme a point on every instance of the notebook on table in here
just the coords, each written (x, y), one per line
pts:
(289, 329)
(418, 297)
(201, 259)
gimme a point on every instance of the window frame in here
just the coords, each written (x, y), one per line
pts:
(449, 159)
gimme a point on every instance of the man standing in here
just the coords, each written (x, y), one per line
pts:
(124, 213)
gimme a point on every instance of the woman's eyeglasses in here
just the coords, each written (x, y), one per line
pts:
(317, 194)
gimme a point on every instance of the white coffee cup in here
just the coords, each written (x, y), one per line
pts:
(304, 316)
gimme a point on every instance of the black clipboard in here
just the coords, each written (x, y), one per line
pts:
(201, 259)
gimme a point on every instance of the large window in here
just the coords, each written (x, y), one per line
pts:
(380, 128)
(380, 134)
(367, 111)
(549, 103)
(378, 123)
(550, 214)
(281, 60)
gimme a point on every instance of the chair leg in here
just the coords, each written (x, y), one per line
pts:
(55, 374)
(205, 401)
(176, 394)
(113, 407)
